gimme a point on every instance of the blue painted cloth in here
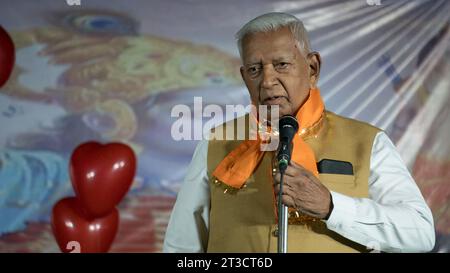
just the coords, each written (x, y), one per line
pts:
(31, 182)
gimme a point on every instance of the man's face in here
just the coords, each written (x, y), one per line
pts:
(275, 71)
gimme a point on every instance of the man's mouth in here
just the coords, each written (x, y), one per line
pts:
(274, 100)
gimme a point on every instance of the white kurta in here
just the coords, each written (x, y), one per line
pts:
(395, 217)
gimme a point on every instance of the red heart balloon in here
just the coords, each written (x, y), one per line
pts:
(74, 232)
(101, 175)
(7, 56)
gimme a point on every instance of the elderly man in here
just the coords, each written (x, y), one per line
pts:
(346, 187)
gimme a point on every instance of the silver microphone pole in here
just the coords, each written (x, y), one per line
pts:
(283, 216)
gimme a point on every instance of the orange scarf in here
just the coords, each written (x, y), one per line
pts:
(240, 163)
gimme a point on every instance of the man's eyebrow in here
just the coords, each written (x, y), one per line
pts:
(284, 58)
(276, 59)
(252, 63)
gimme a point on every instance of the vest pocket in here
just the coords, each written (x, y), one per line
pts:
(337, 182)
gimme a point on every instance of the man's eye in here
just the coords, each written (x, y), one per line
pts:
(282, 65)
(253, 70)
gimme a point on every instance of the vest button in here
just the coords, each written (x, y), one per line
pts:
(275, 232)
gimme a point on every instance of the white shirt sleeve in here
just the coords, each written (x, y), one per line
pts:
(188, 225)
(395, 217)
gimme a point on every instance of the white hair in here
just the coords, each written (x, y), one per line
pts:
(271, 22)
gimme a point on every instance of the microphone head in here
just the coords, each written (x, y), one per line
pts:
(288, 127)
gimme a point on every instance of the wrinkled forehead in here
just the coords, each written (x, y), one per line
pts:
(273, 45)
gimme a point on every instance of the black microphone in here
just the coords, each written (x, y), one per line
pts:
(288, 128)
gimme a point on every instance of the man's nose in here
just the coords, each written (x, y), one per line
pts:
(268, 76)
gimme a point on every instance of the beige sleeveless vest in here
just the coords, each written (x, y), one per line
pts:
(245, 221)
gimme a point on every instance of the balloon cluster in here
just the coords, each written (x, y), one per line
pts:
(7, 56)
(101, 175)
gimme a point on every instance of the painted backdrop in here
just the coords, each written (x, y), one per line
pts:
(112, 71)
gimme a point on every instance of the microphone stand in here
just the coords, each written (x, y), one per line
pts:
(288, 128)
(282, 220)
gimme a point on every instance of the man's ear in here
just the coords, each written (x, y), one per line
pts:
(246, 84)
(243, 77)
(314, 62)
